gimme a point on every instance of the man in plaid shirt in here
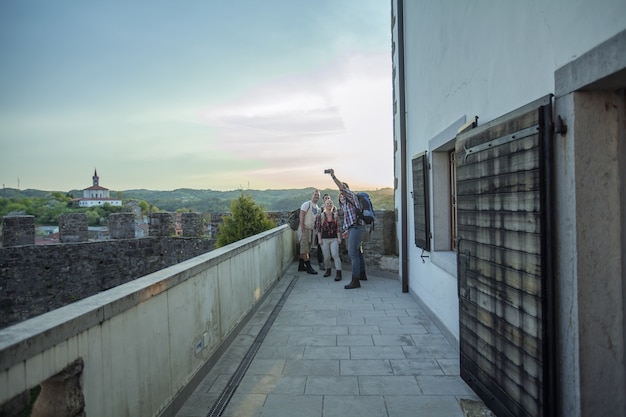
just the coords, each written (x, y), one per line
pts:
(353, 231)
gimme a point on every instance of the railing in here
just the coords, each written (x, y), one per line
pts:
(140, 344)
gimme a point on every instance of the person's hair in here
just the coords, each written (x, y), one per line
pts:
(345, 184)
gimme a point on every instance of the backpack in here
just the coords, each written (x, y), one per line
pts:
(366, 211)
(294, 219)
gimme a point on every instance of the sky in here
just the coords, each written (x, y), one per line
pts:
(202, 94)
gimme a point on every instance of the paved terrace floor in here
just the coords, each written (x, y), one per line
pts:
(316, 349)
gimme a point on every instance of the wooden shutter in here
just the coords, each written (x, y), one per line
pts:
(504, 261)
(421, 201)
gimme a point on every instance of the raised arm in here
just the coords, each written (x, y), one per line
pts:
(339, 183)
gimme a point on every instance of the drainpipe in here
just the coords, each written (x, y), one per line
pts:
(404, 266)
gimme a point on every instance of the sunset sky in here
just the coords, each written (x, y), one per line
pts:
(203, 94)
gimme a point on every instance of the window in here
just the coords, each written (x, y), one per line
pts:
(444, 223)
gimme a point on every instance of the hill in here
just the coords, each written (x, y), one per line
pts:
(211, 201)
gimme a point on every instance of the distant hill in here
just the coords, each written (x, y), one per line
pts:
(210, 201)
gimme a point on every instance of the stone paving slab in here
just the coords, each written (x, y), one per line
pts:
(333, 352)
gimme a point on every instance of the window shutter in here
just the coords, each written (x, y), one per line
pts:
(421, 206)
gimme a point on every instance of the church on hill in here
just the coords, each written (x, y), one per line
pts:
(96, 195)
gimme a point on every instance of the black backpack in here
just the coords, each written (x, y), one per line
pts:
(294, 219)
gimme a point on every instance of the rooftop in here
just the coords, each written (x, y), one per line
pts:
(315, 349)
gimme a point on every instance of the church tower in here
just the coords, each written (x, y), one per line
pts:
(96, 195)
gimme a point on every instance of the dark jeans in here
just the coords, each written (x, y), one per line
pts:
(355, 238)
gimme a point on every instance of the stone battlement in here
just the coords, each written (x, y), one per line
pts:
(36, 279)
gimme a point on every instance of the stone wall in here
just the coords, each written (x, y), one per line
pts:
(122, 225)
(192, 224)
(38, 278)
(162, 224)
(380, 248)
(73, 228)
(35, 279)
(18, 230)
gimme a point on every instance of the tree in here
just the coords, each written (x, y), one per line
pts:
(246, 219)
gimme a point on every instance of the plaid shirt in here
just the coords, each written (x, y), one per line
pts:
(328, 228)
(349, 210)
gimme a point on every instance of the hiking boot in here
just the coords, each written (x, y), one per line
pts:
(309, 268)
(363, 277)
(338, 276)
(301, 266)
(327, 274)
(354, 284)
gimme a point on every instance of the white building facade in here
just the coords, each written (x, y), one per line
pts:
(96, 195)
(510, 134)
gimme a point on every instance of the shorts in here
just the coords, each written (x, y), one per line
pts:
(306, 241)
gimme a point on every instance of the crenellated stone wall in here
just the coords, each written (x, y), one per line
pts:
(162, 224)
(192, 224)
(73, 228)
(122, 225)
(39, 278)
(18, 230)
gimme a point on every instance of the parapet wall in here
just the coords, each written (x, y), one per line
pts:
(39, 278)
(134, 348)
(36, 279)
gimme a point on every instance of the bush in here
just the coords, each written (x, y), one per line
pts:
(246, 219)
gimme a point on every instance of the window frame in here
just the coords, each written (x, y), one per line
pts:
(443, 195)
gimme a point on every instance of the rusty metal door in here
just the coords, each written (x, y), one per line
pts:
(504, 261)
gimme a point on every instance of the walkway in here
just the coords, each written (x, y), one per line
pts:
(323, 351)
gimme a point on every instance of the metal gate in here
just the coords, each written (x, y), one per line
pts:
(504, 261)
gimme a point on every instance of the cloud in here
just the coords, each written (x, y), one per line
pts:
(306, 121)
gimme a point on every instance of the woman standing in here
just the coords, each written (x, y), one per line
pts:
(329, 237)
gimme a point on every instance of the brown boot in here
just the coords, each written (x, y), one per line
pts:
(338, 276)
(363, 277)
(354, 284)
(327, 274)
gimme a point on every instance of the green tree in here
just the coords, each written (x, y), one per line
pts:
(246, 219)
(61, 198)
(93, 218)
